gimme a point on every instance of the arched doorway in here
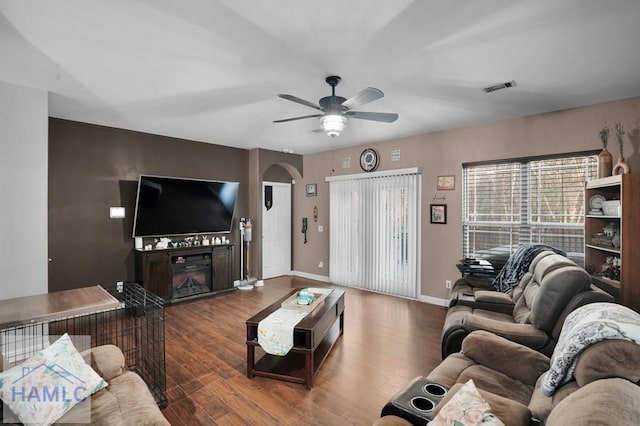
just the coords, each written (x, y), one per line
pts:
(276, 222)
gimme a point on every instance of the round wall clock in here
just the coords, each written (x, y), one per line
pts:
(369, 160)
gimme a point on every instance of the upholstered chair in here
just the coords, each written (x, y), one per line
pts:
(555, 287)
(478, 293)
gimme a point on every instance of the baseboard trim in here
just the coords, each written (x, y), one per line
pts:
(425, 299)
(434, 300)
(309, 276)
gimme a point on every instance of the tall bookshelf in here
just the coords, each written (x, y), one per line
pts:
(626, 254)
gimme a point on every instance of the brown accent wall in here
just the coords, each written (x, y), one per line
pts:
(442, 153)
(92, 168)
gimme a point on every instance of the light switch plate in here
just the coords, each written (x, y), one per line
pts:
(116, 212)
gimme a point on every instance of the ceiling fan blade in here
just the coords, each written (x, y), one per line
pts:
(297, 118)
(387, 117)
(364, 96)
(300, 101)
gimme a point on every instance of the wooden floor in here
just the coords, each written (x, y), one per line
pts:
(387, 341)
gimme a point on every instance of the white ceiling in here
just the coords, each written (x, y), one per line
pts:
(210, 70)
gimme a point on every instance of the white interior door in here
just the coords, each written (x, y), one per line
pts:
(276, 231)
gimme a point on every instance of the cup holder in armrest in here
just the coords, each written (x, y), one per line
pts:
(421, 403)
(416, 401)
(435, 389)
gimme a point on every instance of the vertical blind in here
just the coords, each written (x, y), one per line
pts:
(526, 201)
(375, 228)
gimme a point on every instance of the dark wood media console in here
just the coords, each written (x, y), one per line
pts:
(179, 274)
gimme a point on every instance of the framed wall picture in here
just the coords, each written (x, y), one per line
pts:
(446, 183)
(438, 213)
(312, 189)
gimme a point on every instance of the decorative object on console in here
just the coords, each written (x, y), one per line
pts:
(621, 166)
(605, 159)
(163, 243)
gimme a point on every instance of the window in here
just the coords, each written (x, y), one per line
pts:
(527, 201)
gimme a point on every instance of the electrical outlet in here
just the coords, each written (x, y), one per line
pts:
(120, 286)
(321, 264)
(447, 283)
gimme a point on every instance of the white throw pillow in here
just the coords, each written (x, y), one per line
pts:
(466, 408)
(47, 385)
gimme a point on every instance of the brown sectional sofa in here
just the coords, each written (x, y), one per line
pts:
(508, 375)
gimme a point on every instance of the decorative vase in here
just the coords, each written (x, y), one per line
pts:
(621, 167)
(605, 162)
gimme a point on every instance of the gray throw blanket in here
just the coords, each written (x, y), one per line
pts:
(518, 264)
(584, 327)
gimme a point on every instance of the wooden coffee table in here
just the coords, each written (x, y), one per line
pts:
(313, 338)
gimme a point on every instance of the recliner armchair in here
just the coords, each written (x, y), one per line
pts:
(479, 294)
(510, 272)
(555, 287)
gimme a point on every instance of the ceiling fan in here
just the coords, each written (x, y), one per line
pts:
(336, 109)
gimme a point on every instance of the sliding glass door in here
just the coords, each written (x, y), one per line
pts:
(375, 229)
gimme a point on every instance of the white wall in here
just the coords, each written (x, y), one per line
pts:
(23, 191)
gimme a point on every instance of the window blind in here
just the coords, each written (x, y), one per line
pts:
(529, 201)
(375, 225)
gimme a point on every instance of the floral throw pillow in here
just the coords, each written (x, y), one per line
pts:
(466, 408)
(47, 385)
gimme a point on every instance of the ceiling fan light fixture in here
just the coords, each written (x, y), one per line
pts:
(332, 124)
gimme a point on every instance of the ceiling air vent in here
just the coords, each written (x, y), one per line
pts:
(500, 86)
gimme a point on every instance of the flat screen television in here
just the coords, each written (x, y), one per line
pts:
(176, 206)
